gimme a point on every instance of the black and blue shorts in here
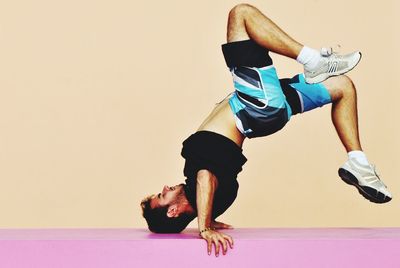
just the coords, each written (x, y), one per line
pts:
(262, 103)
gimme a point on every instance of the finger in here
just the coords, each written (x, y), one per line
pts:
(209, 247)
(217, 246)
(230, 240)
(224, 246)
(217, 225)
(227, 226)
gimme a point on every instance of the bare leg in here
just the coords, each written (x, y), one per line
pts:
(246, 21)
(344, 111)
(344, 117)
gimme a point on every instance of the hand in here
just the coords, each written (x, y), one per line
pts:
(220, 225)
(215, 237)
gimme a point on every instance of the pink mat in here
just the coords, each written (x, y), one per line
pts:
(100, 248)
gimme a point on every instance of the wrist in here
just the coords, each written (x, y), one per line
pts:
(206, 229)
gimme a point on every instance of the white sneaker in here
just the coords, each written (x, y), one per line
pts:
(331, 64)
(366, 180)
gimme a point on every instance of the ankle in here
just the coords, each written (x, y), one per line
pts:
(359, 156)
(309, 57)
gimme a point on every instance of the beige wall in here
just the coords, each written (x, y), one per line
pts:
(97, 96)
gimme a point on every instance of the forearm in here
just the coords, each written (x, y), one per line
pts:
(207, 184)
(205, 189)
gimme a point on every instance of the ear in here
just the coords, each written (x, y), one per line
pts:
(172, 211)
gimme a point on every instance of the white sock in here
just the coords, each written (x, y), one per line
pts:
(309, 57)
(359, 156)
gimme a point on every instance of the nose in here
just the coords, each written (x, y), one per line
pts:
(165, 189)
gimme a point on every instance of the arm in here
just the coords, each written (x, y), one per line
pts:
(207, 183)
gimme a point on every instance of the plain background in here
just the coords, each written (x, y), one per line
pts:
(96, 98)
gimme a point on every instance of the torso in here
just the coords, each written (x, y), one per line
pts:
(222, 121)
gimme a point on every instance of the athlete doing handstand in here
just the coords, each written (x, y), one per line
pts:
(260, 105)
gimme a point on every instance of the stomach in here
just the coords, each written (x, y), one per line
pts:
(222, 121)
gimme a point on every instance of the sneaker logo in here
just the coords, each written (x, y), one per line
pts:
(332, 66)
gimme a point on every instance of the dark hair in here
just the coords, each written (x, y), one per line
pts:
(159, 222)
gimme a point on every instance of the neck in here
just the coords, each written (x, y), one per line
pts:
(186, 207)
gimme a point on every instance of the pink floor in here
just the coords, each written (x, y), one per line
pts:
(100, 248)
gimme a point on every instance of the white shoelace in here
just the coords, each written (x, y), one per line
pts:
(327, 51)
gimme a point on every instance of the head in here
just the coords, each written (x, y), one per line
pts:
(168, 211)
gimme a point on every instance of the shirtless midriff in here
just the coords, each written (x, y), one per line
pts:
(222, 121)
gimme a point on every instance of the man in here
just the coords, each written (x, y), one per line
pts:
(260, 105)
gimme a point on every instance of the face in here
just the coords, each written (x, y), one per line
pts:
(167, 196)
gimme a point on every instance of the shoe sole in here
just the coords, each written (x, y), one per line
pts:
(322, 77)
(369, 193)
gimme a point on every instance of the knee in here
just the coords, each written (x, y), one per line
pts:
(341, 86)
(240, 9)
(346, 86)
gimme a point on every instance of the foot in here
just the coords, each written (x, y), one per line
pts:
(331, 64)
(366, 180)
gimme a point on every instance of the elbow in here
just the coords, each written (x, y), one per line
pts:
(206, 177)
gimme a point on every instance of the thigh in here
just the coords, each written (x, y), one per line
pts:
(310, 96)
(236, 30)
